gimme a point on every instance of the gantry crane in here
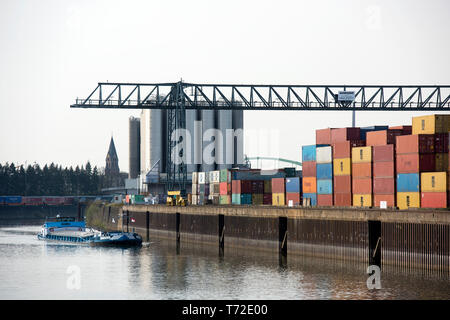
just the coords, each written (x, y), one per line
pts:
(179, 96)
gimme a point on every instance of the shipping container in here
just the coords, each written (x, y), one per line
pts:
(436, 123)
(195, 189)
(383, 153)
(415, 162)
(214, 188)
(278, 185)
(309, 153)
(345, 134)
(257, 198)
(309, 168)
(385, 169)
(344, 149)
(343, 199)
(309, 199)
(194, 177)
(325, 200)
(241, 199)
(362, 185)
(290, 172)
(324, 171)
(225, 175)
(342, 184)
(323, 136)
(225, 199)
(278, 199)
(405, 129)
(214, 176)
(13, 200)
(294, 197)
(256, 174)
(324, 154)
(408, 182)
(309, 185)
(433, 181)
(416, 143)
(267, 198)
(362, 200)
(57, 201)
(268, 187)
(194, 199)
(257, 186)
(225, 188)
(361, 154)
(407, 200)
(441, 162)
(441, 142)
(293, 185)
(34, 201)
(382, 137)
(365, 130)
(203, 177)
(241, 186)
(388, 198)
(362, 170)
(342, 167)
(325, 186)
(384, 186)
(433, 200)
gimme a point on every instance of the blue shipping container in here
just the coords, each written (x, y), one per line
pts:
(312, 196)
(363, 131)
(293, 185)
(324, 171)
(246, 198)
(408, 182)
(309, 153)
(13, 199)
(325, 186)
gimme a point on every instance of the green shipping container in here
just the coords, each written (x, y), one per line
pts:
(225, 175)
(137, 198)
(236, 198)
(224, 199)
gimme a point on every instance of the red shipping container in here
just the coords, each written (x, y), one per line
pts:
(382, 138)
(309, 169)
(323, 136)
(362, 186)
(383, 153)
(433, 200)
(53, 201)
(225, 188)
(384, 169)
(241, 186)
(345, 134)
(267, 198)
(415, 162)
(389, 198)
(33, 201)
(362, 170)
(294, 196)
(325, 200)
(342, 184)
(441, 142)
(257, 186)
(278, 185)
(415, 143)
(343, 150)
(384, 185)
(235, 186)
(343, 199)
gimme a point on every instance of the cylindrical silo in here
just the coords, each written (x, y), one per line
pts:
(145, 144)
(191, 117)
(238, 140)
(152, 136)
(134, 148)
(208, 146)
(224, 142)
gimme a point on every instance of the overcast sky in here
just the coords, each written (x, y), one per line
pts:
(55, 51)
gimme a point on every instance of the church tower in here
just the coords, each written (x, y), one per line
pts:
(112, 172)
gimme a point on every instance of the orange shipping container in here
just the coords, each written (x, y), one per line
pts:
(389, 198)
(415, 162)
(433, 200)
(309, 185)
(384, 169)
(362, 170)
(382, 138)
(362, 185)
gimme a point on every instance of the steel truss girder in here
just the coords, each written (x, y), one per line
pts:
(267, 97)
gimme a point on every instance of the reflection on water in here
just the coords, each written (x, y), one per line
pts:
(33, 269)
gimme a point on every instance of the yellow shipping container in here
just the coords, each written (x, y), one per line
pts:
(362, 154)
(436, 123)
(407, 200)
(433, 181)
(342, 167)
(278, 199)
(362, 200)
(441, 161)
(257, 198)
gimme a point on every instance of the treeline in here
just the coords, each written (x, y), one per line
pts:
(50, 180)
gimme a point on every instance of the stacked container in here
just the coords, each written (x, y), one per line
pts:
(324, 175)
(414, 154)
(195, 188)
(434, 189)
(309, 182)
(384, 175)
(365, 130)
(241, 192)
(257, 192)
(203, 187)
(278, 192)
(362, 176)
(267, 197)
(342, 168)
(225, 186)
(214, 187)
(293, 190)
(441, 142)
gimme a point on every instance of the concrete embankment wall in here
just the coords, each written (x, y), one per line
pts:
(391, 238)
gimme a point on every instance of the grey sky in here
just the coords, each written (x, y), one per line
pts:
(55, 51)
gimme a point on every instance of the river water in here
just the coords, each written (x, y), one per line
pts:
(33, 269)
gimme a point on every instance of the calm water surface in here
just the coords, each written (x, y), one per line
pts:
(33, 269)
